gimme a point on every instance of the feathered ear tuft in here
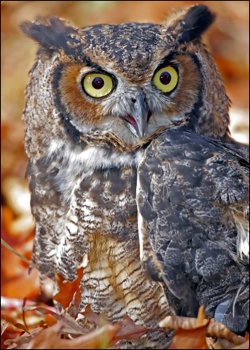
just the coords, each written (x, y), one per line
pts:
(49, 32)
(197, 19)
(189, 24)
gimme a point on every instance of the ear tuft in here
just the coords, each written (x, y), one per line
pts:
(50, 32)
(196, 20)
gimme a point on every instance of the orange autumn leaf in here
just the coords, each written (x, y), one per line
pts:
(193, 338)
(201, 316)
(214, 329)
(244, 345)
(98, 339)
(68, 289)
(190, 332)
(129, 330)
(218, 330)
(94, 317)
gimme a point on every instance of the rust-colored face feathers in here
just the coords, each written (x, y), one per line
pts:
(140, 76)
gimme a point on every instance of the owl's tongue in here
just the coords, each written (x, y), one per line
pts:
(131, 120)
(137, 126)
(138, 116)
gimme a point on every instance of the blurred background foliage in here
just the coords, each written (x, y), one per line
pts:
(227, 39)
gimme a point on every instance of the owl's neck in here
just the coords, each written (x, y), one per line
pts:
(77, 162)
(91, 157)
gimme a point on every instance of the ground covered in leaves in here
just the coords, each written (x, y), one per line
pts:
(36, 325)
(29, 318)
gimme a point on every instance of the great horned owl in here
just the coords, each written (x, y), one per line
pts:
(132, 170)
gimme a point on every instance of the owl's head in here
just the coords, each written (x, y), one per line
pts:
(128, 79)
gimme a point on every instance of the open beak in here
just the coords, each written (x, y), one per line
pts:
(138, 118)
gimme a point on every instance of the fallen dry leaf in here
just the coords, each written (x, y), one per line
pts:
(94, 317)
(190, 324)
(65, 319)
(191, 333)
(193, 338)
(21, 341)
(175, 322)
(67, 289)
(98, 339)
(201, 316)
(129, 330)
(218, 330)
(245, 345)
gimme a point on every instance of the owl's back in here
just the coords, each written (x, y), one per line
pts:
(193, 196)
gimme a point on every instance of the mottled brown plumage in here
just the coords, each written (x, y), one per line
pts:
(192, 195)
(103, 104)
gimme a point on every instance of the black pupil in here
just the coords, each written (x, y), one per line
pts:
(165, 78)
(97, 83)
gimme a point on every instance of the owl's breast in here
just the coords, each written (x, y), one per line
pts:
(108, 198)
(114, 282)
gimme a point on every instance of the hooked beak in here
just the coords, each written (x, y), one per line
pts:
(137, 121)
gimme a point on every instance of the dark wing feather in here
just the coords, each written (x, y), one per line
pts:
(192, 197)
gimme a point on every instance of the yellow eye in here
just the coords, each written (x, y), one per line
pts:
(97, 85)
(166, 79)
